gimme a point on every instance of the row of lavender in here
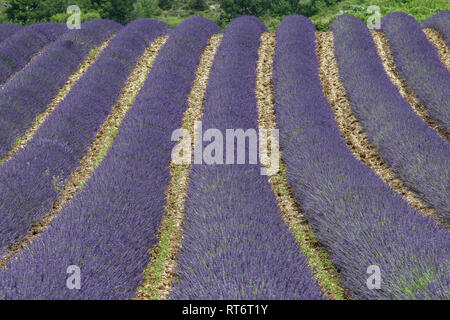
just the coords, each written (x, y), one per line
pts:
(28, 94)
(109, 226)
(32, 180)
(440, 22)
(236, 246)
(104, 232)
(17, 50)
(7, 30)
(416, 152)
(418, 62)
(357, 216)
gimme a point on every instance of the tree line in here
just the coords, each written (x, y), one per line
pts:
(123, 11)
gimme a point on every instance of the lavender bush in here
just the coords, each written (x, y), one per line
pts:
(17, 50)
(32, 181)
(28, 94)
(416, 153)
(353, 213)
(441, 22)
(236, 246)
(418, 62)
(7, 30)
(111, 223)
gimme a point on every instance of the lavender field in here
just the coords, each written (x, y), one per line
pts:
(147, 162)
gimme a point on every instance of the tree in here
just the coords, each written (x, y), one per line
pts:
(31, 11)
(23, 11)
(146, 9)
(307, 7)
(235, 8)
(198, 5)
(165, 4)
(118, 10)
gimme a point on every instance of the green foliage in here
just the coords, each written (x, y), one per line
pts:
(146, 9)
(322, 25)
(172, 21)
(3, 16)
(420, 9)
(198, 5)
(321, 12)
(279, 8)
(32, 11)
(234, 8)
(118, 10)
(271, 22)
(22, 11)
(166, 4)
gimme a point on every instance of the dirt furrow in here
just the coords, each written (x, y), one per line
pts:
(160, 274)
(438, 42)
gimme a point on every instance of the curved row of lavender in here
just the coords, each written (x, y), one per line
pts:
(441, 22)
(416, 152)
(111, 223)
(235, 245)
(28, 94)
(359, 219)
(7, 30)
(17, 50)
(418, 62)
(31, 182)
